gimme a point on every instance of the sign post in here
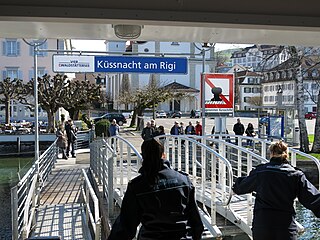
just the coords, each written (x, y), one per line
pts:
(218, 97)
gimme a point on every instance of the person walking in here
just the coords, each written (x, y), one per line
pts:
(277, 184)
(161, 199)
(72, 137)
(62, 140)
(147, 132)
(250, 133)
(114, 130)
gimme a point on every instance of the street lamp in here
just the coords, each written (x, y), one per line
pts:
(36, 44)
(203, 49)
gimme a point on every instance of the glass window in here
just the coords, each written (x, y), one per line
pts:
(12, 73)
(11, 48)
(247, 90)
(246, 99)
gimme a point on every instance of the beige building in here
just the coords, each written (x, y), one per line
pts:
(16, 61)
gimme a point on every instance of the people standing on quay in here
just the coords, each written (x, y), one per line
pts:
(238, 129)
(198, 128)
(175, 130)
(71, 131)
(250, 133)
(277, 184)
(161, 199)
(62, 140)
(147, 131)
(160, 132)
(190, 129)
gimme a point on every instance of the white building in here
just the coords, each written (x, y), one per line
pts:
(279, 87)
(260, 57)
(249, 90)
(167, 49)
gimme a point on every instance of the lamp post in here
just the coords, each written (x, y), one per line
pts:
(35, 45)
(204, 48)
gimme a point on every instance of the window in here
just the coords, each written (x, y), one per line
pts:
(12, 73)
(306, 97)
(41, 71)
(11, 48)
(314, 86)
(247, 90)
(265, 98)
(246, 99)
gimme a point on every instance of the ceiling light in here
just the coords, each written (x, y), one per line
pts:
(127, 31)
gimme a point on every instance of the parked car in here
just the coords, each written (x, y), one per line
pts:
(161, 114)
(310, 115)
(120, 118)
(174, 114)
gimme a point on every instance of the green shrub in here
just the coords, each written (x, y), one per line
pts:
(102, 127)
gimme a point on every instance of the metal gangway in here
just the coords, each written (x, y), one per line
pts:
(115, 161)
(30, 217)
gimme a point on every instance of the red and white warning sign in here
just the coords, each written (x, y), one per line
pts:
(219, 92)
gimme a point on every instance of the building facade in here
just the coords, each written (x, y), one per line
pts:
(168, 49)
(16, 61)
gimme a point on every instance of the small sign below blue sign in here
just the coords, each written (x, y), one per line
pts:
(126, 64)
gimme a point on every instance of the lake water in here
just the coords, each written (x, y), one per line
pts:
(9, 167)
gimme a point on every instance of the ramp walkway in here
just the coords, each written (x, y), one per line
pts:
(60, 212)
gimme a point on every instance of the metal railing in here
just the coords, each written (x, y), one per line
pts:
(114, 162)
(25, 195)
(91, 205)
(260, 147)
(84, 138)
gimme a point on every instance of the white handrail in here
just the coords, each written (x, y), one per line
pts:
(87, 193)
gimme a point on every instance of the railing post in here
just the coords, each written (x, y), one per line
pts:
(14, 212)
(98, 230)
(249, 196)
(263, 149)
(213, 190)
(110, 185)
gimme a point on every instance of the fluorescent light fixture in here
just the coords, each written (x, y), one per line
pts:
(127, 31)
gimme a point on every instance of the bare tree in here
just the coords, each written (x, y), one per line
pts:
(80, 95)
(12, 90)
(147, 97)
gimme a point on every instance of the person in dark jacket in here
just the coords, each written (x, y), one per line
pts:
(147, 132)
(250, 133)
(277, 184)
(161, 199)
(71, 131)
(238, 129)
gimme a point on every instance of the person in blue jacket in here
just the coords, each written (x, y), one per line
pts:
(276, 185)
(161, 199)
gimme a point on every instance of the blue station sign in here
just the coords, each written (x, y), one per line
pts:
(127, 64)
(119, 64)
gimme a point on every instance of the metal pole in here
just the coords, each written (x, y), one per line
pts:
(36, 116)
(203, 109)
